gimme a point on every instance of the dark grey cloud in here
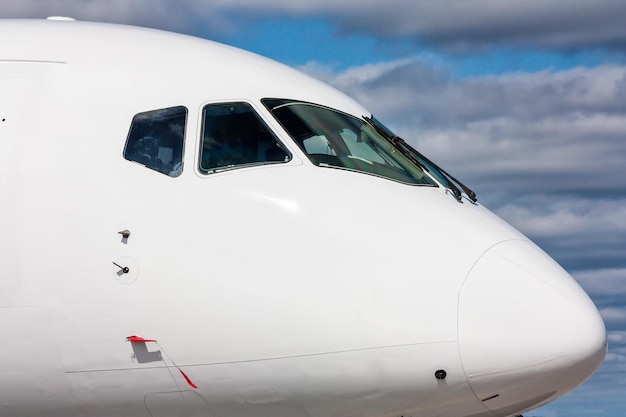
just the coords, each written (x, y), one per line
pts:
(470, 25)
(455, 26)
(562, 24)
(184, 16)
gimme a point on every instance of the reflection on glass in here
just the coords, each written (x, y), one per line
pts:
(234, 136)
(334, 139)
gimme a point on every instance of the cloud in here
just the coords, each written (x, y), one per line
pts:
(617, 337)
(462, 26)
(184, 16)
(604, 282)
(454, 26)
(614, 365)
(614, 314)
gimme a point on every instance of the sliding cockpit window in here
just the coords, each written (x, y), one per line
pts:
(234, 136)
(334, 139)
(156, 140)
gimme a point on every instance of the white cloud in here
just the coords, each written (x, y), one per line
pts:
(617, 337)
(611, 314)
(568, 218)
(604, 282)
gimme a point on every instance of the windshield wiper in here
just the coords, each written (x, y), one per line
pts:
(420, 160)
(471, 194)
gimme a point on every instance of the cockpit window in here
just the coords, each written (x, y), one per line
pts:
(234, 136)
(156, 140)
(334, 139)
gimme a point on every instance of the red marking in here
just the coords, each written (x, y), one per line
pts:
(137, 339)
(191, 384)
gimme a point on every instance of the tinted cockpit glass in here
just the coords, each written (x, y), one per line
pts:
(234, 136)
(156, 140)
(334, 139)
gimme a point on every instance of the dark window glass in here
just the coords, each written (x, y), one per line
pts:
(156, 140)
(234, 136)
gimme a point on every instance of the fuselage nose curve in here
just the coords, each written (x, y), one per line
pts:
(527, 332)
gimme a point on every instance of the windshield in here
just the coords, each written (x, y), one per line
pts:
(334, 139)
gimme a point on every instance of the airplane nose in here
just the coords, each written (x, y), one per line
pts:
(527, 332)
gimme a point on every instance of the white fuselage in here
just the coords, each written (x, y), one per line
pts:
(280, 290)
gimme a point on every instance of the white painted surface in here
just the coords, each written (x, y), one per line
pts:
(284, 289)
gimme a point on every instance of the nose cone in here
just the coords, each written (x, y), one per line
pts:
(527, 332)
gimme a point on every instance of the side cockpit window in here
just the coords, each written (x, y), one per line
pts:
(234, 136)
(156, 140)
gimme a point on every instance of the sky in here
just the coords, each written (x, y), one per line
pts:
(524, 101)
